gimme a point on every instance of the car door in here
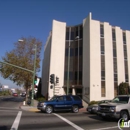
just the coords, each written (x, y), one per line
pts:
(68, 102)
(60, 103)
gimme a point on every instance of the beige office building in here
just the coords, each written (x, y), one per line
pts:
(91, 59)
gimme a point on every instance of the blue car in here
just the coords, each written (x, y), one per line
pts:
(61, 103)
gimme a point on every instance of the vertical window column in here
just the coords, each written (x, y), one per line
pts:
(102, 48)
(125, 58)
(115, 62)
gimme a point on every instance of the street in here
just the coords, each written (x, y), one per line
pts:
(11, 116)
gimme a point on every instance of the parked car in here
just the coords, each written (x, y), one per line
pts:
(23, 94)
(94, 107)
(61, 103)
(118, 108)
(15, 94)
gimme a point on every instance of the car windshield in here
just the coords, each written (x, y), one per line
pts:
(121, 99)
(103, 101)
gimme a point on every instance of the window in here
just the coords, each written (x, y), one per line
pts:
(114, 45)
(81, 34)
(68, 98)
(113, 35)
(77, 31)
(80, 75)
(72, 36)
(76, 75)
(102, 75)
(102, 49)
(124, 38)
(76, 98)
(66, 52)
(114, 53)
(71, 52)
(61, 98)
(101, 30)
(115, 77)
(103, 89)
(80, 51)
(67, 35)
(103, 66)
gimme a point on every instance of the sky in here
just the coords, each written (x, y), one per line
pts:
(25, 18)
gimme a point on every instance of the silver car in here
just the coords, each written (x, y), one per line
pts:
(94, 107)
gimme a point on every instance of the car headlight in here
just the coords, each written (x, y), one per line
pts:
(112, 109)
(41, 104)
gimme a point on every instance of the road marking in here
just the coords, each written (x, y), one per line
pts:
(16, 122)
(105, 128)
(69, 122)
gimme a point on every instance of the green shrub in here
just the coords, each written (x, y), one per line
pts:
(4, 93)
(41, 99)
(93, 102)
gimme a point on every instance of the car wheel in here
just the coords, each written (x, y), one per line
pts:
(75, 109)
(124, 115)
(49, 109)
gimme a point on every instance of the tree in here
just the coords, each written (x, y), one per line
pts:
(22, 55)
(123, 88)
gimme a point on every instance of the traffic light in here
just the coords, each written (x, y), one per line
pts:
(35, 81)
(57, 79)
(52, 78)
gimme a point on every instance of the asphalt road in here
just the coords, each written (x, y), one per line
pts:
(11, 116)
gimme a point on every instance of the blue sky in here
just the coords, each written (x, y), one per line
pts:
(24, 18)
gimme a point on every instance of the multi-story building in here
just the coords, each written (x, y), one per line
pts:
(91, 59)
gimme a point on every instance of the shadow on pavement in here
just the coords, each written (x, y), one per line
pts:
(102, 119)
(3, 128)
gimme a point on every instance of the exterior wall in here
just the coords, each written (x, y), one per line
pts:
(57, 56)
(95, 61)
(46, 67)
(128, 51)
(86, 58)
(109, 71)
(120, 56)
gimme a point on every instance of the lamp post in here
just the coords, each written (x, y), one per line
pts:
(34, 71)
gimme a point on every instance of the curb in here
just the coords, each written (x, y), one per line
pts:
(34, 110)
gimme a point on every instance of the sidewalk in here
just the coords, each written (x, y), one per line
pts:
(29, 107)
(34, 108)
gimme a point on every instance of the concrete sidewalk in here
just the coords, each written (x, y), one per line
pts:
(34, 108)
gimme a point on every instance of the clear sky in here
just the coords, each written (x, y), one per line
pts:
(24, 18)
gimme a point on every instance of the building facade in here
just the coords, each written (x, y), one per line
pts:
(91, 59)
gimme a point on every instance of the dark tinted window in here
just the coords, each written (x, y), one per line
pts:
(76, 98)
(67, 35)
(60, 98)
(68, 98)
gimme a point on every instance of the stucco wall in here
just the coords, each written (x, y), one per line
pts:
(95, 61)
(86, 58)
(57, 55)
(120, 56)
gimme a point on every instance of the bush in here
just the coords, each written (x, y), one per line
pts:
(93, 102)
(4, 93)
(41, 99)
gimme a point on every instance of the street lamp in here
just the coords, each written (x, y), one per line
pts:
(34, 71)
